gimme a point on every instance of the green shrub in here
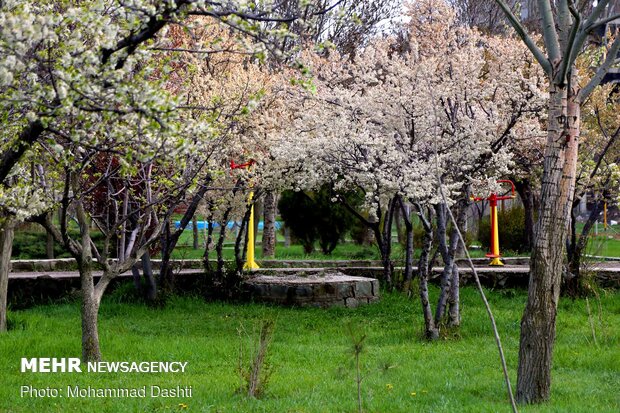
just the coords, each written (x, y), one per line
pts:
(313, 216)
(30, 241)
(511, 230)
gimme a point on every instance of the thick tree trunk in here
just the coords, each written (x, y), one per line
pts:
(90, 299)
(446, 275)
(408, 275)
(49, 246)
(454, 299)
(431, 332)
(258, 213)
(524, 188)
(550, 233)
(137, 278)
(399, 217)
(7, 231)
(90, 311)
(269, 226)
(150, 290)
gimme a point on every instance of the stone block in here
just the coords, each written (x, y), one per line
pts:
(351, 302)
(375, 288)
(363, 289)
(345, 290)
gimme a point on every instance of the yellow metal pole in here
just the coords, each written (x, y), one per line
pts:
(605, 215)
(250, 263)
(495, 238)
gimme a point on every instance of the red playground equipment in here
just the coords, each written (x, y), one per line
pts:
(493, 198)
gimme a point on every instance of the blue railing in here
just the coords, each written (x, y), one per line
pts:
(202, 225)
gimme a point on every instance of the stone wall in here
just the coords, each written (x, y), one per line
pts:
(316, 290)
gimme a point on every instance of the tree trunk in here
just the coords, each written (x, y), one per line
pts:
(431, 332)
(49, 246)
(287, 237)
(446, 275)
(150, 291)
(209, 240)
(219, 247)
(408, 275)
(90, 311)
(454, 299)
(195, 232)
(90, 300)
(524, 188)
(383, 236)
(550, 232)
(573, 283)
(400, 214)
(166, 273)
(241, 241)
(269, 226)
(258, 213)
(137, 278)
(7, 231)
(170, 236)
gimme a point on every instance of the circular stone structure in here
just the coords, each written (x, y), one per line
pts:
(314, 289)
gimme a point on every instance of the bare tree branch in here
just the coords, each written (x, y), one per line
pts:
(612, 54)
(529, 42)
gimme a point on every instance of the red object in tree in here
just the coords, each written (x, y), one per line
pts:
(233, 165)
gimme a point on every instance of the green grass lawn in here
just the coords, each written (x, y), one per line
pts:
(310, 358)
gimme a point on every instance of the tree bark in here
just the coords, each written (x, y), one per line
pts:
(446, 275)
(550, 233)
(90, 300)
(137, 278)
(150, 290)
(454, 299)
(195, 232)
(7, 231)
(209, 240)
(49, 246)
(219, 247)
(90, 312)
(167, 243)
(241, 241)
(269, 226)
(258, 213)
(431, 332)
(406, 219)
